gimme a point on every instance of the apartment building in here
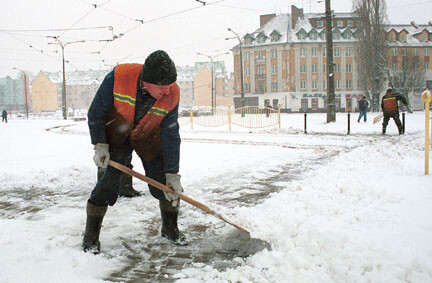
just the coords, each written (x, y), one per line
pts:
(284, 61)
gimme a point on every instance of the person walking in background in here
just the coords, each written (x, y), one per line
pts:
(390, 108)
(136, 108)
(4, 115)
(363, 106)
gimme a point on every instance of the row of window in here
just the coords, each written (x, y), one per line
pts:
(314, 85)
(405, 51)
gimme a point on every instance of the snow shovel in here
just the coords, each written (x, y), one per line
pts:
(164, 188)
(378, 118)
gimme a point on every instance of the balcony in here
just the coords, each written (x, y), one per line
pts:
(260, 61)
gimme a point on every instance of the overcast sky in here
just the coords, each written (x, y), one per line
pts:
(181, 27)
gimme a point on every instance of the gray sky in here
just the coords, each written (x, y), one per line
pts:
(181, 27)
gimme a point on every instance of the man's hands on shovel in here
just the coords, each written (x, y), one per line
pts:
(173, 182)
(102, 156)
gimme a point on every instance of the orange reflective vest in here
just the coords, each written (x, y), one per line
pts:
(145, 137)
(390, 104)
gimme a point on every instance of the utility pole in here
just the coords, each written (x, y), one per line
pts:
(63, 45)
(241, 69)
(213, 92)
(25, 89)
(331, 107)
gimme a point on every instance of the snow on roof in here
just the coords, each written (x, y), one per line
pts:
(411, 40)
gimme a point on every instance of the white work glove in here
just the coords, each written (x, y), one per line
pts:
(102, 156)
(173, 181)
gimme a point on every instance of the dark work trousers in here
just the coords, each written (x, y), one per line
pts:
(395, 117)
(108, 186)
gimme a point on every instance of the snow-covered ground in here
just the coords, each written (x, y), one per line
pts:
(358, 209)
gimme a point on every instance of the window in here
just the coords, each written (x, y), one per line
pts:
(246, 56)
(313, 36)
(391, 37)
(324, 84)
(247, 86)
(424, 37)
(337, 68)
(302, 36)
(336, 51)
(302, 68)
(247, 72)
(273, 53)
(260, 71)
(348, 52)
(260, 54)
(402, 37)
(274, 85)
(350, 23)
(416, 52)
(348, 35)
(426, 52)
(314, 84)
(394, 51)
(404, 52)
(302, 52)
(348, 68)
(339, 24)
(324, 68)
(314, 52)
(324, 51)
(358, 50)
(394, 66)
(337, 84)
(274, 69)
(320, 24)
(261, 87)
(275, 37)
(336, 35)
(314, 68)
(426, 64)
(349, 84)
(303, 84)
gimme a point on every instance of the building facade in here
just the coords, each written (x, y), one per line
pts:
(12, 93)
(284, 61)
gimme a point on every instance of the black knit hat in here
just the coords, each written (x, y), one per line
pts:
(159, 69)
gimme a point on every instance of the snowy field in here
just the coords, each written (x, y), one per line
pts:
(358, 209)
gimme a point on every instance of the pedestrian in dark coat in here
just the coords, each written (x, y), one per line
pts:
(4, 115)
(136, 108)
(390, 108)
(363, 106)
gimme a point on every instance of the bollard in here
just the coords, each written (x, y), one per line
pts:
(349, 123)
(403, 122)
(305, 123)
(426, 97)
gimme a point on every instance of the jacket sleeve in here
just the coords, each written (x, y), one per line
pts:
(402, 98)
(170, 138)
(99, 108)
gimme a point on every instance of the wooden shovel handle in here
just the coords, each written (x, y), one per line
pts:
(164, 188)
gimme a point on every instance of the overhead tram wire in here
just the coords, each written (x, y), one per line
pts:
(169, 15)
(85, 15)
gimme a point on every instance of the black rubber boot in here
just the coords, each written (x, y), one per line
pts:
(170, 230)
(126, 189)
(95, 215)
(383, 131)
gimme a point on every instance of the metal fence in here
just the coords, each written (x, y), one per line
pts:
(246, 117)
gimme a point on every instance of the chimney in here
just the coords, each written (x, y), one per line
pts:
(265, 18)
(296, 13)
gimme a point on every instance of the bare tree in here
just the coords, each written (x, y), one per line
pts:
(373, 46)
(409, 75)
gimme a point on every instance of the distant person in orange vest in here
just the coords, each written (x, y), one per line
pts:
(4, 116)
(390, 108)
(136, 108)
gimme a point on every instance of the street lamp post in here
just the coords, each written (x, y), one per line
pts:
(63, 45)
(25, 89)
(241, 68)
(213, 93)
